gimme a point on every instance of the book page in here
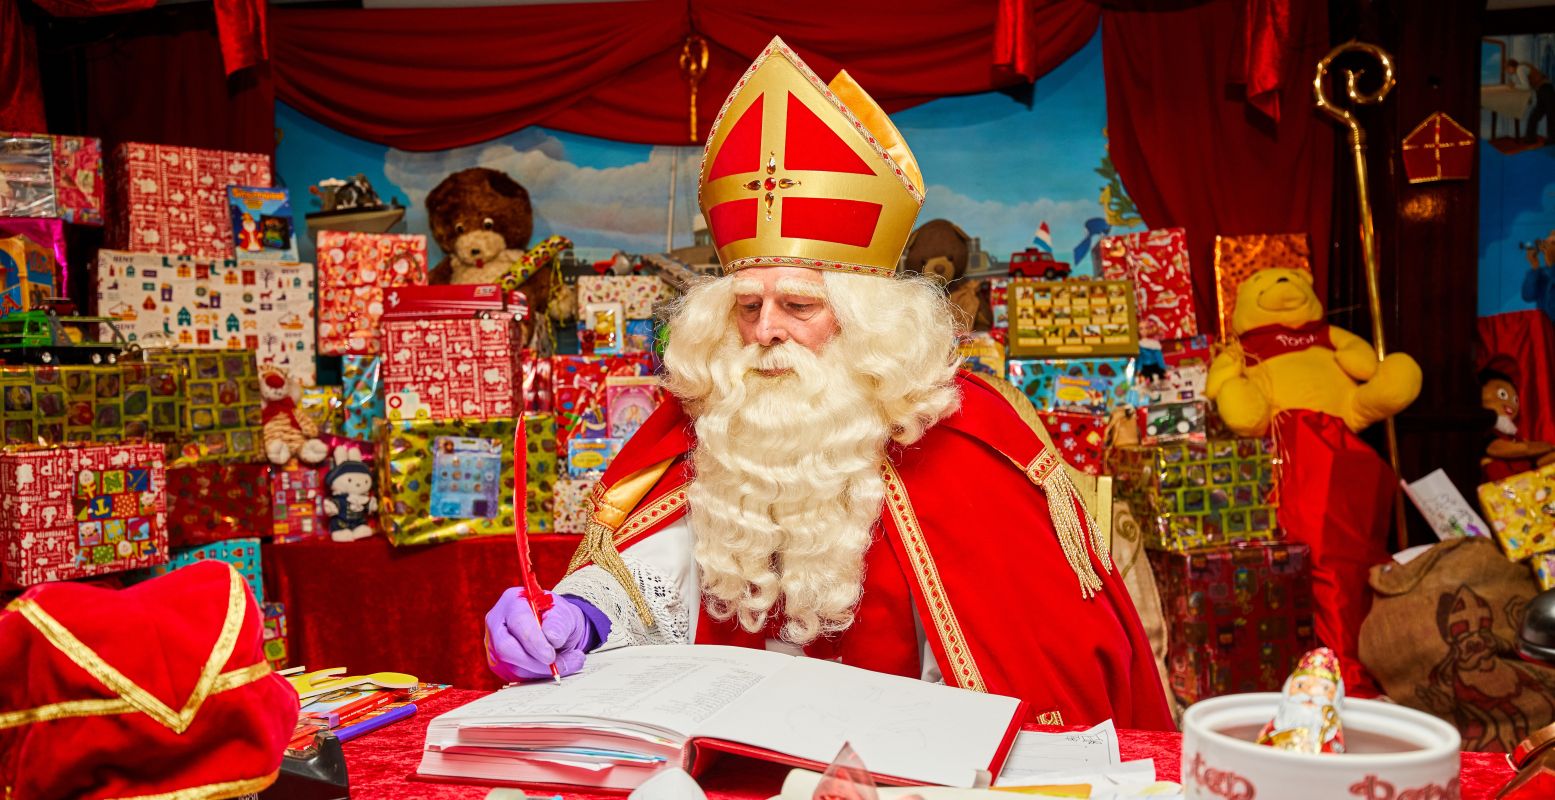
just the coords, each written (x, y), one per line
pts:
(901, 727)
(669, 687)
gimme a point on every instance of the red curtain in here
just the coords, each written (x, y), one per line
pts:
(21, 91)
(240, 24)
(1529, 338)
(1192, 151)
(429, 79)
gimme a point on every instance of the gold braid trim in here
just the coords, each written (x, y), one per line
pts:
(214, 791)
(610, 510)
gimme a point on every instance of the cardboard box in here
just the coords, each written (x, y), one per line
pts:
(75, 511)
(450, 368)
(1237, 618)
(355, 270)
(174, 199)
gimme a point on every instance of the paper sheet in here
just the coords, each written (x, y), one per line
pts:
(1444, 507)
(1038, 754)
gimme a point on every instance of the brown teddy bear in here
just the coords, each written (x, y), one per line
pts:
(940, 249)
(482, 220)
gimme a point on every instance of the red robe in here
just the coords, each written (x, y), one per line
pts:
(969, 548)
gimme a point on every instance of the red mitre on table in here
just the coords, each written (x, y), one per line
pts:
(157, 690)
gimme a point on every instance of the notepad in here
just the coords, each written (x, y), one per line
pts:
(634, 711)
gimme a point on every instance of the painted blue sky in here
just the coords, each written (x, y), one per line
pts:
(991, 164)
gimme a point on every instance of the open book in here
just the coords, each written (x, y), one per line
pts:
(634, 711)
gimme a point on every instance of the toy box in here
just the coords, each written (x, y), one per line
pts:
(1156, 262)
(27, 274)
(174, 199)
(1072, 318)
(355, 269)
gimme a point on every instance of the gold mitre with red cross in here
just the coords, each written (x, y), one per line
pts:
(801, 173)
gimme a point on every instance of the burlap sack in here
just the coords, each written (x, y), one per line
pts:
(1441, 638)
(1128, 555)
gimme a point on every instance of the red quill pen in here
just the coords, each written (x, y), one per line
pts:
(540, 601)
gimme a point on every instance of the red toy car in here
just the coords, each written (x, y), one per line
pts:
(1035, 263)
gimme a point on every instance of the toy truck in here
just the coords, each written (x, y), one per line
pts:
(46, 337)
(1035, 263)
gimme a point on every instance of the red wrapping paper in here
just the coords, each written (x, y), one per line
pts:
(1080, 438)
(295, 491)
(579, 386)
(212, 502)
(1157, 262)
(355, 270)
(448, 368)
(173, 200)
(1335, 496)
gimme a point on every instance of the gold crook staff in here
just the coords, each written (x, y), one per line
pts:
(693, 65)
(1368, 231)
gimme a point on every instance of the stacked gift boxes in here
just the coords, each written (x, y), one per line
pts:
(52, 176)
(1237, 617)
(1190, 495)
(355, 271)
(616, 313)
(173, 200)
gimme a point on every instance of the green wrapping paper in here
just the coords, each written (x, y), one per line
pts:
(218, 409)
(540, 490)
(441, 480)
(59, 404)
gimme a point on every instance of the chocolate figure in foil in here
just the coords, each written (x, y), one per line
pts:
(1308, 717)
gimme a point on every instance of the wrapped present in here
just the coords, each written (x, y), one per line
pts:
(261, 223)
(160, 301)
(1198, 494)
(362, 395)
(75, 165)
(28, 271)
(242, 554)
(1157, 264)
(77, 403)
(80, 510)
(1521, 513)
(219, 410)
(602, 329)
(1160, 423)
(445, 300)
(578, 383)
(446, 479)
(999, 309)
(1072, 318)
(1237, 617)
(637, 294)
(274, 632)
(1544, 570)
(295, 512)
(325, 404)
(573, 504)
(541, 473)
(214, 502)
(1079, 437)
(1237, 257)
(447, 368)
(174, 199)
(538, 394)
(1084, 385)
(355, 270)
(982, 353)
(589, 458)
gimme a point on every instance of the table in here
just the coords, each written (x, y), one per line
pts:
(383, 764)
(369, 606)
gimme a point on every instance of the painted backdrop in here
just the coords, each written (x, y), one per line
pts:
(993, 164)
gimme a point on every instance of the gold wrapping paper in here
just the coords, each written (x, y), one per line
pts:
(415, 494)
(1237, 257)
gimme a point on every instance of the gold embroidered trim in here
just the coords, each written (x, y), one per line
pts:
(602, 546)
(211, 791)
(226, 681)
(238, 678)
(638, 522)
(962, 664)
(1050, 718)
(140, 699)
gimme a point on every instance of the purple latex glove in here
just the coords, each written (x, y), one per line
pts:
(517, 649)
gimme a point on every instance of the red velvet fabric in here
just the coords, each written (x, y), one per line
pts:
(240, 24)
(1529, 338)
(21, 87)
(383, 764)
(1023, 28)
(369, 606)
(1192, 153)
(428, 79)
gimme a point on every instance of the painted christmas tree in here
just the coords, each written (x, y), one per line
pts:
(1119, 209)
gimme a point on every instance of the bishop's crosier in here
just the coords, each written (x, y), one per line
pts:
(824, 479)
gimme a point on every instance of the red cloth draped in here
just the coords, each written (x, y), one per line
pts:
(1023, 26)
(1261, 51)
(429, 79)
(383, 762)
(21, 88)
(1336, 495)
(1193, 154)
(369, 606)
(1529, 338)
(240, 24)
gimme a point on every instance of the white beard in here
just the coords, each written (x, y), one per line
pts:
(787, 488)
(1294, 714)
(1505, 424)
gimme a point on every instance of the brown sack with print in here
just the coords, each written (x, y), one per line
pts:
(1441, 637)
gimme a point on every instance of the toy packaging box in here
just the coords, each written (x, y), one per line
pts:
(441, 480)
(983, 354)
(1198, 494)
(27, 274)
(1157, 264)
(355, 270)
(541, 472)
(274, 634)
(1082, 385)
(77, 403)
(637, 294)
(242, 554)
(261, 223)
(219, 412)
(160, 301)
(1080, 439)
(174, 199)
(1160, 423)
(295, 511)
(1237, 257)
(1237, 618)
(209, 503)
(579, 387)
(74, 189)
(1521, 513)
(1072, 318)
(75, 511)
(573, 505)
(447, 368)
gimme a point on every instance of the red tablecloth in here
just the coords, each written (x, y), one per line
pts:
(383, 764)
(369, 606)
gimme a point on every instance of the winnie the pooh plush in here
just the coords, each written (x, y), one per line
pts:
(1286, 357)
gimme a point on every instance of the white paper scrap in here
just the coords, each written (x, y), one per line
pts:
(1036, 753)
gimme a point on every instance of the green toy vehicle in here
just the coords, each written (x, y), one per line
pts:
(46, 337)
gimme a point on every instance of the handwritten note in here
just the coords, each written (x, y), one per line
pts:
(1036, 753)
(1443, 506)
